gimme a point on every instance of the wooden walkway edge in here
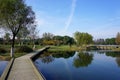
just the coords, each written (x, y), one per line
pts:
(24, 69)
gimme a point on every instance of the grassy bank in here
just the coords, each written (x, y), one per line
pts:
(5, 51)
(6, 56)
(116, 49)
(74, 48)
(65, 48)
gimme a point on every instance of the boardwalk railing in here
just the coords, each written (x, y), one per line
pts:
(105, 47)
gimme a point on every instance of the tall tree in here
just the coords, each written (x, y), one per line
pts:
(83, 38)
(14, 15)
(110, 41)
(48, 36)
(58, 40)
(118, 38)
(68, 40)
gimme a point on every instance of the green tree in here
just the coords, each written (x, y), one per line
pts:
(48, 36)
(83, 38)
(48, 39)
(58, 40)
(14, 15)
(68, 40)
(7, 37)
(110, 41)
(117, 40)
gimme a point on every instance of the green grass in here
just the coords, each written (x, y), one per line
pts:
(5, 56)
(16, 55)
(38, 47)
(8, 47)
(116, 49)
(64, 48)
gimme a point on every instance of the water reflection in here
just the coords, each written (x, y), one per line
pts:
(79, 65)
(64, 54)
(3, 65)
(118, 61)
(48, 57)
(83, 59)
(113, 54)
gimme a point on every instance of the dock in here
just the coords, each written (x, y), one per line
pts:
(23, 68)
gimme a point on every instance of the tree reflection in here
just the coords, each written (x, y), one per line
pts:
(116, 55)
(83, 60)
(64, 54)
(118, 61)
(46, 57)
(113, 54)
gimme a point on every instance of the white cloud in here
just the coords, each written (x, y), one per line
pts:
(68, 22)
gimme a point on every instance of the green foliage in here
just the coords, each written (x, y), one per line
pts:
(58, 40)
(2, 50)
(68, 40)
(64, 48)
(50, 39)
(47, 36)
(83, 38)
(107, 41)
(7, 36)
(14, 16)
(91, 48)
(110, 41)
(23, 49)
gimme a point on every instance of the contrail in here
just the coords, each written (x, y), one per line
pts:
(68, 22)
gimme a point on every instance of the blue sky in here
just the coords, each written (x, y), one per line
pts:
(101, 18)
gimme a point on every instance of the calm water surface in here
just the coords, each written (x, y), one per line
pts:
(93, 65)
(3, 65)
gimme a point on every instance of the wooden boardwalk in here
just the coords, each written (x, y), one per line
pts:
(24, 69)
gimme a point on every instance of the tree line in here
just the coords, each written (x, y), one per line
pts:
(18, 21)
(80, 38)
(109, 41)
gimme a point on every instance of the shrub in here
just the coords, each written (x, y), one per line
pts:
(91, 48)
(2, 50)
(25, 49)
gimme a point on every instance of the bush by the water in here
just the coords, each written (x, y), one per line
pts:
(25, 49)
(92, 48)
(2, 50)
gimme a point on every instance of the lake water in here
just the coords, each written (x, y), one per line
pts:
(93, 65)
(3, 65)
